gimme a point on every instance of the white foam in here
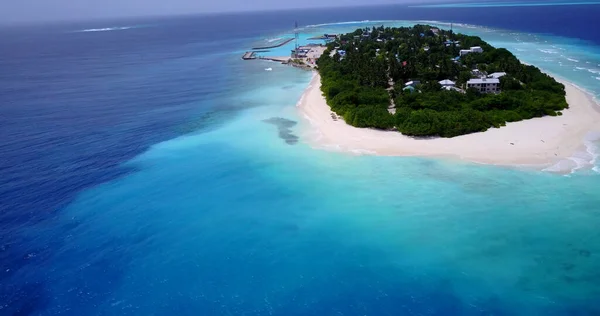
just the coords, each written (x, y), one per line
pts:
(107, 29)
(271, 40)
(341, 23)
(547, 51)
(573, 60)
(584, 159)
(362, 152)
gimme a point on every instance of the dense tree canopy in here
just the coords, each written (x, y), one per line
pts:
(359, 83)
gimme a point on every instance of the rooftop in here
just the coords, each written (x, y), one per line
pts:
(447, 82)
(497, 74)
(484, 80)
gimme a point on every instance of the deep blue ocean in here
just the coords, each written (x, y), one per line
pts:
(145, 169)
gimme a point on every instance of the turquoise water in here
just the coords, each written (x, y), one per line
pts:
(266, 225)
(245, 218)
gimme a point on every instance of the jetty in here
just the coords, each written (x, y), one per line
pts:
(283, 60)
(249, 55)
(275, 45)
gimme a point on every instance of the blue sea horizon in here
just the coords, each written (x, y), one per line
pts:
(148, 170)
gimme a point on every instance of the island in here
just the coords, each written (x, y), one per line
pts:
(425, 81)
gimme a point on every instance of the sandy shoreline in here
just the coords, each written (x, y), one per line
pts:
(540, 142)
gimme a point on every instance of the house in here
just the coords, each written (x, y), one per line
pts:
(453, 89)
(477, 73)
(435, 30)
(449, 42)
(497, 75)
(447, 83)
(410, 89)
(485, 85)
(474, 49)
(413, 83)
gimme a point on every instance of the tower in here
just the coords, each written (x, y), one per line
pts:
(296, 37)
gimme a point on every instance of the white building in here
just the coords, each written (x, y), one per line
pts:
(497, 75)
(474, 49)
(485, 85)
(447, 83)
(413, 83)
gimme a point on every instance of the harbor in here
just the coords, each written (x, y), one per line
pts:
(302, 56)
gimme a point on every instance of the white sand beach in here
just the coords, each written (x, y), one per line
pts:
(541, 142)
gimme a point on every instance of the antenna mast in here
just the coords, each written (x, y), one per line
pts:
(296, 37)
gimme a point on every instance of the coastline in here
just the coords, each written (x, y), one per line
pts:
(546, 142)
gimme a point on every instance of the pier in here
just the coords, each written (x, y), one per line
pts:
(249, 55)
(276, 45)
(283, 60)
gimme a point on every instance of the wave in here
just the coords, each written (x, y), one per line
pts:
(573, 60)
(547, 51)
(590, 70)
(585, 159)
(107, 29)
(343, 23)
(271, 40)
(504, 4)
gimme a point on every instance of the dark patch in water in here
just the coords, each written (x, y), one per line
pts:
(285, 129)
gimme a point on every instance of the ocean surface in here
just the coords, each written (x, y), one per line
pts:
(147, 170)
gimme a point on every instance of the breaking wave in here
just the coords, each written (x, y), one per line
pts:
(504, 4)
(343, 23)
(107, 29)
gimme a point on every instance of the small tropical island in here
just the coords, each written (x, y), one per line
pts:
(425, 81)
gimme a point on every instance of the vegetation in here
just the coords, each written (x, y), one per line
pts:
(361, 84)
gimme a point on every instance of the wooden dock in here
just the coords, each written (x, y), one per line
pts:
(276, 45)
(249, 55)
